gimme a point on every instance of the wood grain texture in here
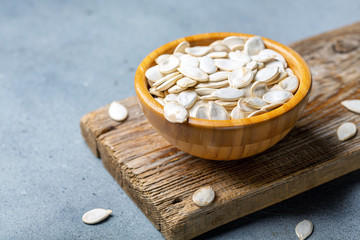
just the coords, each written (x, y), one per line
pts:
(227, 139)
(161, 179)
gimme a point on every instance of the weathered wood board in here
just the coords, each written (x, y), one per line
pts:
(161, 179)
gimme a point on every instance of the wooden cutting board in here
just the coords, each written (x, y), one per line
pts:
(161, 179)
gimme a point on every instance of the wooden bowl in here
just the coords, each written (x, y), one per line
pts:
(226, 139)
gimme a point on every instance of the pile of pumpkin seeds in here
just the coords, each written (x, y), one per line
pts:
(233, 78)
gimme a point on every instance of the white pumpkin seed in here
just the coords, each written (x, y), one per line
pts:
(96, 215)
(266, 74)
(282, 75)
(172, 97)
(219, 47)
(153, 74)
(277, 96)
(234, 42)
(274, 64)
(271, 106)
(218, 76)
(228, 64)
(289, 71)
(161, 58)
(193, 110)
(278, 56)
(207, 64)
(276, 87)
(194, 73)
(180, 48)
(237, 113)
(256, 113)
(117, 111)
(255, 102)
(252, 65)
(244, 106)
(253, 46)
(260, 65)
(258, 89)
(219, 84)
(226, 104)
(241, 78)
(165, 78)
(176, 89)
(198, 51)
(160, 100)
(352, 105)
(208, 97)
(169, 64)
(290, 84)
(239, 56)
(204, 196)
(228, 94)
(187, 98)
(202, 112)
(204, 91)
(156, 93)
(186, 82)
(174, 112)
(346, 131)
(168, 83)
(217, 54)
(217, 112)
(263, 58)
(304, 229)
(188, 60)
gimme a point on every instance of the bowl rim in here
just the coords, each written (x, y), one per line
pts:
(292, 57)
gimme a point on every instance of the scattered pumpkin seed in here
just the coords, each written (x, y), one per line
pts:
(204, 196)
(346, 131)
(304, 229)
(117, 111)
(96, 215)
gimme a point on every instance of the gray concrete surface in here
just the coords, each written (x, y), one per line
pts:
(62, 59)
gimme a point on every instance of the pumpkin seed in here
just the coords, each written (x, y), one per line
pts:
(187, 98)
(228, 94)
(188, 60)
(204, 91)
(237, 113)
(186, 82)
(258, 89)
(181, 47)
(278, 56)
(204, 196)
(207, 64)
(255, 102)
(176, 89)
(202, 112)
(218, 76)
(290, 84)
(219, 84)
(352, 105)
(96, 215)
(161, 58)
(271, 107)
(217, 112)
(228, 64)
(241, 78)
(266, 74)
(277, 96)
(172, 97)
(153, 74)
(253, 46)
(256, 113)
(168, 83)
(194, 73)
(346, 131)
(198, 51)
(304, 229)
(169, 64)
(156, 93)
(117, 111)
(234, 42)
(217, 54)
(165, 78)
(244, 106)
(174, 112)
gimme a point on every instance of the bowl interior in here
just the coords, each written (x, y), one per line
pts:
(294, 60)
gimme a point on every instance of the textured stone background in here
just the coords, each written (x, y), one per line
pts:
(62, 59)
